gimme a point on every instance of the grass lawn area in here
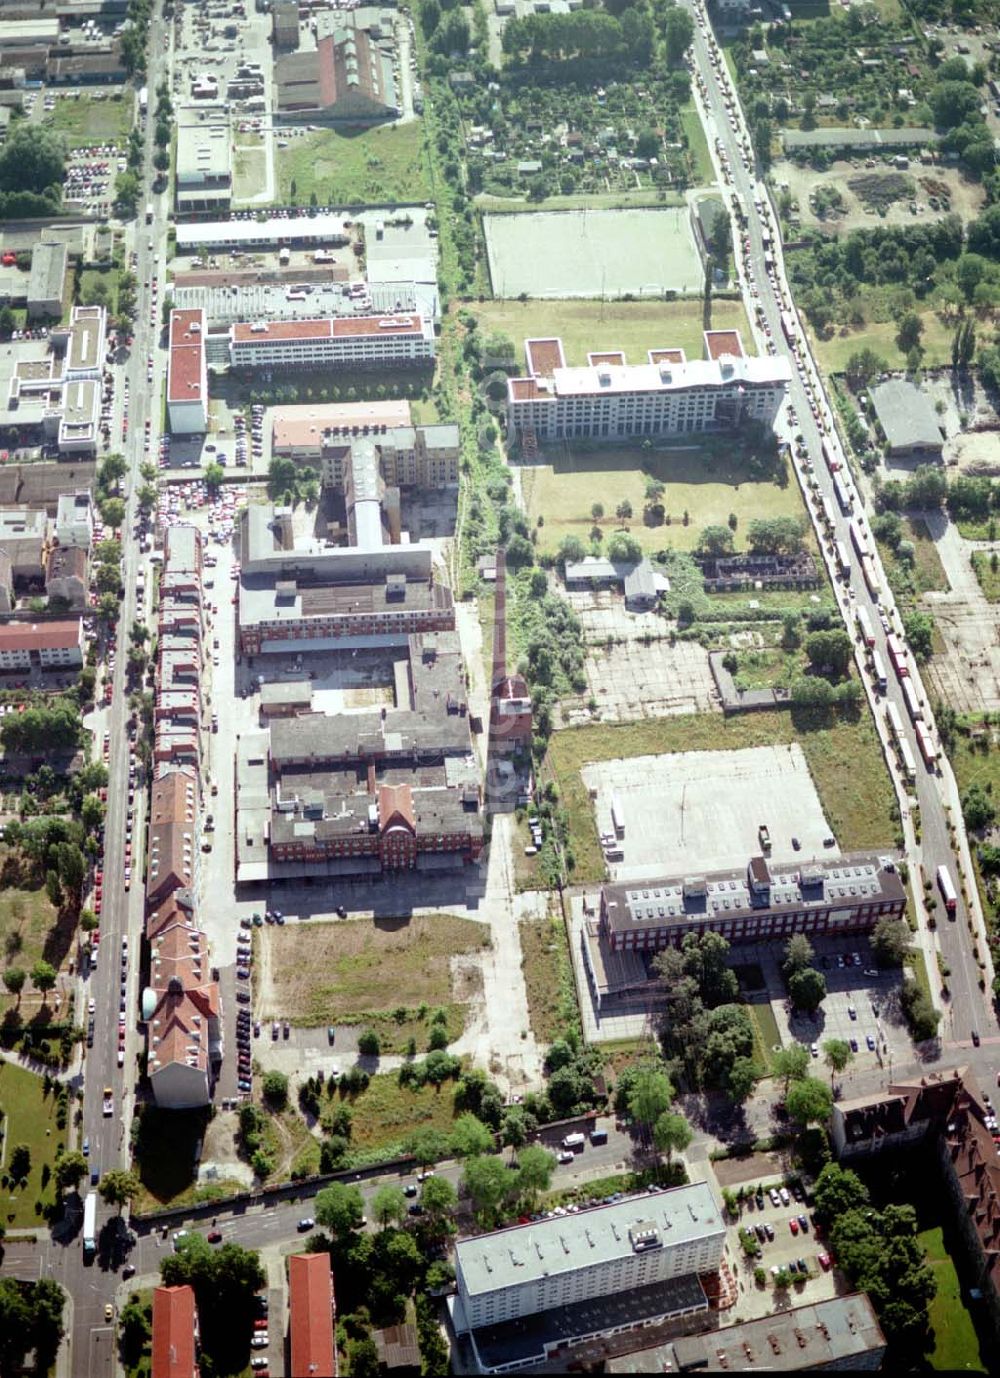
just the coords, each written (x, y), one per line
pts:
(988, 576)
(612, 200)
(346, 972)
(27, 931)
(765, 1034)
(548, 977)
(386, 1113)
(706, 479)
(377, 167)
(881, 337)
(925, 575)
(633, 326)
(858, 803)
(84, 120)
(956, 1345)
(165, 1160)
(91, 280)
(29, 1119)
(702, 171)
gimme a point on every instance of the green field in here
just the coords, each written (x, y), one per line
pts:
(987, 569)
(384, 166)
(29, 1119)
(702, 171)
(956, 1345)
(249, 173)
(705, 483)
(548, 976)
(27, 932)
(925, 575)
(859, 803)
(880, 336)
(590, 326)
(87, 119)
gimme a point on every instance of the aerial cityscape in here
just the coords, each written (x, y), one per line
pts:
(499, 687)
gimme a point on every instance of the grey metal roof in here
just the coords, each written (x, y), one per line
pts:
(858, 138)
(906, 416)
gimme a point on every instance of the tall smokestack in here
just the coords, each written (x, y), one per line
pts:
(500, 624)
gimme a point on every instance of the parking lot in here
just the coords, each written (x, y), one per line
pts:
(788, 1244)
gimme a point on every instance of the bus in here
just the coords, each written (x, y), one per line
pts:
(841, 492)
(912, 699)
(830, 458)
(878, 670)
(865, 626)
(843, 559)
(90, 1225)
(926, 744)
(894, 720)
(788, 326)
(947, 887)
(906, 756)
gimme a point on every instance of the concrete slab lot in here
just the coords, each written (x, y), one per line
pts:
(594, 253)
(700, 811)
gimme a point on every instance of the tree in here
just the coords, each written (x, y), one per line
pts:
(14, 979)
(798, 954)
(775, 535)
(862, 367)
(486, 1180)
(134, 1329)
(837, 1054)
(716, 540)
(918, 628)
(908, 334)
(790, 1064)
(829, 651)
(43, 975)
(809, 1101)
(978, 808)
(470, 1137)
(838, 1190)
(535, 1166)
(438, 1197)
(625, 548)
(275, 1087)
(890, 942)
(672, 1134)
(807, 989)
(33, 160)
(71, 1169)
(118, 1187)
(650, 1096)
(514, 1129)
(741, 1080)
(678, 33)
(340, 1209)
(112, 512)
(388, 1204)
(597, 511)
(20, 1162)
(428, 1146)
(15, 1326)
(368, 1043)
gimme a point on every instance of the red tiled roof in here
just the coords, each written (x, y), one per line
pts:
(41, 636)
(544, 356)
(187, 347)
(310, 1317)
(329, 328)
(610, 356)
(720, 342)
(395, 804)
(666, 356)
(175, 1321)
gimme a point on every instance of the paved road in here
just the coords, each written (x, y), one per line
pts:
(935, 792)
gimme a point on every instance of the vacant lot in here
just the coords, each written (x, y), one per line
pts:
(586, 326)
(382, 1118)
(384, 166)
(987, 567)
(956, 1345)
(858, 184)
(881, 337)
(343, 972)
(925, 575)
(705, 483)
(858, 804)
(27, 930)
(29, 1120)
(86, 120)
(548, 977)
(591, 253)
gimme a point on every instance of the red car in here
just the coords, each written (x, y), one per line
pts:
(214, 1236)
(824, 1261)
(793, 1225)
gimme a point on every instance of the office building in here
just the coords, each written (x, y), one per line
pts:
(609, 399)
(47, 281)
(311, 1315)
(530, 1291)
(350, 341)
(175, 1333)
(50, 390)
(204, 172)
(187, 374)
(56, 645)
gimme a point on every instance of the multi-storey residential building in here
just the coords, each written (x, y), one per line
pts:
(609, 399)
(175, 1333)
(187, 374)
(311, 1315)
(351, 341)
(75, 519)
(56, 645)
(525, 1292)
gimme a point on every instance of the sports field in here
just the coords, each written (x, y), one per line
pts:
(593, 253)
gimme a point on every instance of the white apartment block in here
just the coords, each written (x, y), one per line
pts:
(609, 399)
(49, 645)
(355, 341)
(609, 1250)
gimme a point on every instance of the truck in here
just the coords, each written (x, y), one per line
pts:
(912, 699)
(829, 457)
(90, 1225)
(843, 559)
(858, 539)
(143, 101)
(897, 657)
(149, 212)
(788, 326)
(598, 1136)
(926, 744)
(573, 1141)
(907, 758)
(870, 575)
(894, 720)
(108, 1104)
(865, 626)
(947, 887)
(764, 838)
(878, 670)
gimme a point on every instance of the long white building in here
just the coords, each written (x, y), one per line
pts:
(576, 1277)
(349, 340)
(187, 374)
(610, 399)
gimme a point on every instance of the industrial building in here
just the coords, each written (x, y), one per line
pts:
(347, 76)
(609, 399)
(528, 1292)
(907, 420)
(47, 281)
(204, 172)
(295, 231)
(348, 341)
(187, 374)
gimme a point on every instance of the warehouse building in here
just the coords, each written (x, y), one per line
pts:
(204, 175)
(610, 399)
(907, 420)
(323, 231)
(347, 76)
(47, 281)
(187, 374)
(527, 1293)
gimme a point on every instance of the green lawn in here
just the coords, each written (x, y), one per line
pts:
(702, 171)
(766, 1035)
(881, 337)
(548, 977)
(29, 1119)
(87, 119)
(859, 802)
(705, 482)
(28, 930)
(382, 166)
(987, 569)
(956, 1345)
(634, 326)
